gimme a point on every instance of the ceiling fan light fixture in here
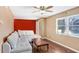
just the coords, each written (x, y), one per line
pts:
(43, 8)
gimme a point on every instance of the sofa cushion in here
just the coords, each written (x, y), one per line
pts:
(29, 37)
(12, 39)
(29, 34)
(25, 32)
(20, 32)
(22, 45)
(6, 48)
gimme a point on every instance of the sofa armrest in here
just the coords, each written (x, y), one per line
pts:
(6, 48)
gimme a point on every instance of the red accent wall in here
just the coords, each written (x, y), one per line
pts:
(21, 24)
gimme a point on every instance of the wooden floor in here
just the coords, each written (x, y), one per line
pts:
(53, 48)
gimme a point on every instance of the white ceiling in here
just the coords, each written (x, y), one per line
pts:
(26, 12)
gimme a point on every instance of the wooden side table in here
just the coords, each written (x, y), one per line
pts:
(39, 43)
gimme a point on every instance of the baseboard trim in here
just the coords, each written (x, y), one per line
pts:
(63, 45)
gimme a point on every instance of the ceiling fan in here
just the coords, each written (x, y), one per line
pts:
(43, 8)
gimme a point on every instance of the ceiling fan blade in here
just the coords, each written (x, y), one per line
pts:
(36, 7)
(49, 7)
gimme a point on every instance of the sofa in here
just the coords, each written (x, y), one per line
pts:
(19, 42)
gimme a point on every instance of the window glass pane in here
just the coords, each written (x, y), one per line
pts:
(74, 29)
(61, 22)
(62, 28)
(74, 20)
(74, 24)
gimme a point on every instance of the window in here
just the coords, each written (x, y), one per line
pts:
(61, 26)
(74, 26)
(68, 25)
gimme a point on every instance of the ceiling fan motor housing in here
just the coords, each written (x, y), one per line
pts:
(42, 7)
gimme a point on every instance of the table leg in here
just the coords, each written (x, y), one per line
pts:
(47, 47)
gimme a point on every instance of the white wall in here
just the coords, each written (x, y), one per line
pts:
(37, 27)
(6, 27)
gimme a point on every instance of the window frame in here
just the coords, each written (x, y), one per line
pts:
(67, 25)
(60, 25)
